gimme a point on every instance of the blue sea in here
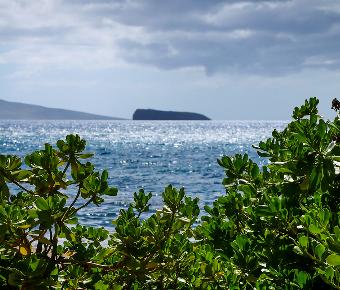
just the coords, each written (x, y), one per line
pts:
(146, 155)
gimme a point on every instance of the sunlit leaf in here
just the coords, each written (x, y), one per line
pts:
(41, 203)
(333, 260)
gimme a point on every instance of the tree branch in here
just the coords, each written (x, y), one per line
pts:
(72, 204)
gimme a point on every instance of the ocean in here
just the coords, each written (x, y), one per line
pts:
(147, 155)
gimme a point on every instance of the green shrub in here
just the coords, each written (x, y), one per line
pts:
(147, 254)
(277, 227)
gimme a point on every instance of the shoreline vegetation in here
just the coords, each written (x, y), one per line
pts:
(276, 227)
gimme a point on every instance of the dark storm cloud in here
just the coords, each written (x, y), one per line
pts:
(251, 37)
(256, 37)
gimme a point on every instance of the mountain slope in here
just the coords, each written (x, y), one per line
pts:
(20, 111)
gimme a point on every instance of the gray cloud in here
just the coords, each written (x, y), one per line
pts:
(248, 37)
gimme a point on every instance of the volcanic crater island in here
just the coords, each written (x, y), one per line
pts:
(150, 114)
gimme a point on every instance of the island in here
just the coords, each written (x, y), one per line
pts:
(150, 114)
(21, 111)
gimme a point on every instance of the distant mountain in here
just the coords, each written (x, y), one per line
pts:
(141, 114)
(20, 111)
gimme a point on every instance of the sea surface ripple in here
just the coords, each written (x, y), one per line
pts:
(146, 155)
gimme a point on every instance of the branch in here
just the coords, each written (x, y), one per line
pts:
(77, 209)
(72, 204)
(93, 265)
(148, 258)
(145, 272)
(35, 239)
(17, 184)
(55, 241)
(66, 167)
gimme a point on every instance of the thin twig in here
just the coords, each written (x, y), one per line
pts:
(72, 204)
(77, 209)
(145, 272)
(17, 184)
(66, 167)
(94, 265)
(35, 239)
(55, 242)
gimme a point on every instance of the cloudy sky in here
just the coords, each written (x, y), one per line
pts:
(239, 60)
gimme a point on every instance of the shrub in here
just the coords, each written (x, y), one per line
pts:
(277, 227)
(139, 254)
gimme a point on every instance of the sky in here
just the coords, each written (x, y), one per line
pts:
(228, 60)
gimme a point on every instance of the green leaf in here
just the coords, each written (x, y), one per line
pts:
(302, 278)
(104, 176)
(23, 174)
(322, 128)
(333, 260)
(4, 191)
(2, 160)
(86, 155)
(72, 221)
(103, 254)
(262, 154)
(67, 233)
(337, 232)
(313, 119)
(263, 146)
(303, 241)
(15, 164)
(285, 170)
(111, 191)
(330, 273)
(248, 189)
(3, 230)
(226, 160)
(101, 286)
(255, 171)
(41, 203)
(44, 215)
(334, 248)
(314, 229)
(60, 144)
(45, 241)
(263, 210)
(305, 183)
(60, 181)
(15, 280)
(238, 165)
(319, 250)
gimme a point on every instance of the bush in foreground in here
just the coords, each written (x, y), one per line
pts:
(277, 227)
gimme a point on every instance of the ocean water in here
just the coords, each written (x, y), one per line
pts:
(146, 155)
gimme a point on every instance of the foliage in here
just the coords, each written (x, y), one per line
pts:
(277, 227)
(153, 252)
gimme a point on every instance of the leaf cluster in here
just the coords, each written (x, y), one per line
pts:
(276, 227)
(141, 254)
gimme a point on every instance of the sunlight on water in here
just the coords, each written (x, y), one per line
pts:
(146, 155)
